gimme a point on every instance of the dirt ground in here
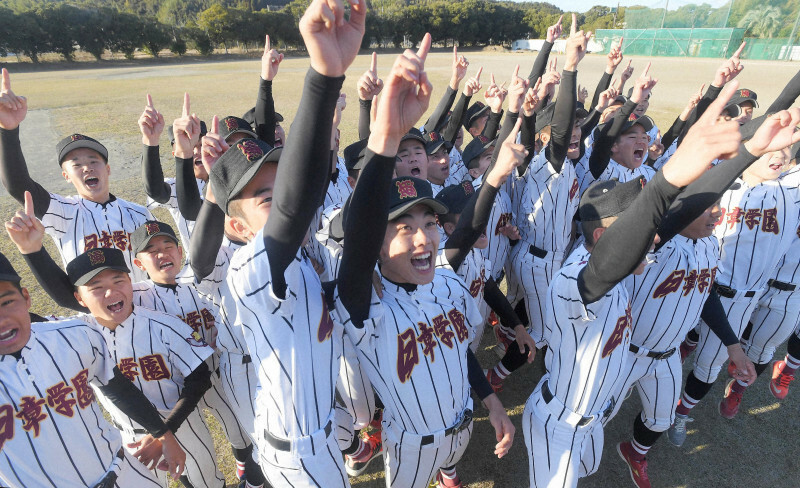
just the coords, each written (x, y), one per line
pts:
(757, 449)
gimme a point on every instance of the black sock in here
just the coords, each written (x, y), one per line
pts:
(693, 335)
(642, 434)
(696, 388)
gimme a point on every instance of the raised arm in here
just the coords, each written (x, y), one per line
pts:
(369, 86)
(540, 64)
(187, 132)
(151, 125)
(613, 60)
(459, 71)
(264, 113)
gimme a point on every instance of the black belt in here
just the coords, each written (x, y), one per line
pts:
(652, 354)
(466, 419)
(246, 359)
(548, 397)
(285, 445)
(110, 479)
(780, 285)
(539, 253)
(728, 292)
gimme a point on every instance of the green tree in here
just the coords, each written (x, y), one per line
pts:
(9, 24)
(217, 22)
(125, 33)
(29, 37)
(155, 37)
(764, 22)
(92, 30)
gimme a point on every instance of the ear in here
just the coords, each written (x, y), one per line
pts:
(475, 173)
(449, 227)
(474, 131)
(78, 297)
(27, 297)
(108, 168)
(64, 174)
(180, 252)
(240, 227)
(139, 264)
(545, 138)
(597, 233)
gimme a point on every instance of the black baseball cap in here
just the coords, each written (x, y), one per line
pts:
(645, 121)
(473, 112)
(231, 125)
(741, 96)
(152, 228)
(407, 192)
(474, 149)
(608, 198)
(336, 225)
(434, 140)
(455, 197)
(86, 266)
(171, 132)
(250, 116)
(234, 169)
(77, 141)
(354, 155)
(414, 134)
(7, 271)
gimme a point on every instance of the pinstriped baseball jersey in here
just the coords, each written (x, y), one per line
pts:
(756, 229)
(155, 351)
(618, 171)
(788, 269)
(294, 344)
(332, 259)
(77, 225)
(458, 170)
(589, 343)
(52, 431)
(413, 347)
(474, 271)
(544, 204)
(180, 300)
(185, 227)
(668, 297)
(668, 152)
(499, 245)
(338, 190)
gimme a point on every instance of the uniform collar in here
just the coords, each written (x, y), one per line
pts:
(111, 198)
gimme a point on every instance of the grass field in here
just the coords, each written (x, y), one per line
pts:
(757, 449)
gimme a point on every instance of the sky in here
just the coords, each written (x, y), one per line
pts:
(584, 5)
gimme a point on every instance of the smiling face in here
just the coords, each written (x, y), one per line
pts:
(703, 226)
(439, 166)
(250, 210)
(630, 147)
(409, 247)
(412, 160)
(15, 322)
(87, 170)
(642, 107)
(161, 259)
(108, 296)
(574, 148)
(768, 167)
(280, 135)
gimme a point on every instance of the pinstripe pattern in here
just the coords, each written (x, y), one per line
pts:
(474, 271)
(458, 170)
(618, 171)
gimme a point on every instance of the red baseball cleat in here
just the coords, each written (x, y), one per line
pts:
(637, 465)
(779, 385)
(729, 406)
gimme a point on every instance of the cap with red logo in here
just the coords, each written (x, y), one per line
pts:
(455, 197)
(434, 141)
(89, 264)
(234, 125)
(234, 169)
(407, 192)
(77, 141)
(152, 228)
(474, 149)
(741, 96)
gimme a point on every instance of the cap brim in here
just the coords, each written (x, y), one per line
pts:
(414, 137)
(336, 226)
(242, 131)
(10, 277)
(435, 205)
(432, 147)
(476, 115)
(83, 143)
(270, 157)
(91, 274)
(144, 243)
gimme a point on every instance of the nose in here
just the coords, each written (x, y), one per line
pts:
(421, 238)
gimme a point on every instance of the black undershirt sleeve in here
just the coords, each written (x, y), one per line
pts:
(563, 120)
(186, 190)
(477, 380)
(673, 132)
(589, 123)
(194, 387)
(528, 139)
(364, 109)
(625, 243)
(264, 113)
(784, 101)
(713, 314)
(132, 402)
(153, 175)
(434, 122)
(471, 224)
(498, 302)
(505, 131)
(302, 176)
(540, 64)
(14, 173)
(711, 94)
(450, 131)
(364, 230)
(602, 85)
(604, 139)
(492, 124)
(209, 229)
(53, 280)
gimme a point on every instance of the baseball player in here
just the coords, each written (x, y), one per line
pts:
(53, 432)
(589, 311)
(783, 371)
(159, 353)
(424, 336)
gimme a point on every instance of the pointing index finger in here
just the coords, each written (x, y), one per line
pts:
(267, 45)
(574, 27)
(186, 105)
(29, 204)
(149, 100)
(374, 64)
(6, 81)
(516, 73)
(214, 125)
(739, 51)
(478, 75)
(424, 47)
(646, 70)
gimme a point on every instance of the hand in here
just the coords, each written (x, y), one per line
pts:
(693, 101)
(13, 108)
(524, 339)
(270, 61)
(729, 69)
(369, 85)
(331, 41)
(151, 124)
(473, 85)
(149, 452)
(583, 94)
(605, 99)
(745, 371)
(554, 31)
(707, 140)
(25, 230)
(510, 231)
(186, 130)
(460, 65)
(341, 104)
(503, 428)
(213, 147)
(509, 157)
(548, 87)
(495, 96)
(778, 131)
(614, 57)
(531, 102)
(406, 98)
(643, 86)
(624, 77)
(516, 91)
(173, 455)
(576, 45)
(656, 149)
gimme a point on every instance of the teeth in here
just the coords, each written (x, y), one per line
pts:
(423, 256)
(115, 307)
(7, 336)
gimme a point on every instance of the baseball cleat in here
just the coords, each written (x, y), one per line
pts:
(441, 482)
(779, 384)
(355, 466)
(677, 431)
(495, 381)
(729, 406)
(637, 465)
(731, 369)
(685, 350)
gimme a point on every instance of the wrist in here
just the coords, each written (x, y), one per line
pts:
(384, 144)
(492, 403)
(148, 141)
(610, 70)
(29, 248)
